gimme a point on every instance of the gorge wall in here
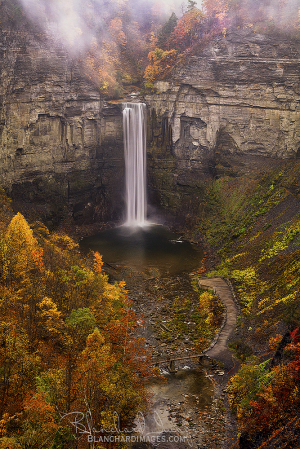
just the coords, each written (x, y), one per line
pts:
(233, 109)
(61, 144)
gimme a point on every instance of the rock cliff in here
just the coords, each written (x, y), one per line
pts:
(233, 109)
(61, 144)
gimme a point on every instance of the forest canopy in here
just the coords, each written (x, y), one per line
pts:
(68, 340)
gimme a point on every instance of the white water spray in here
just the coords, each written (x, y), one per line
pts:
(134, 128)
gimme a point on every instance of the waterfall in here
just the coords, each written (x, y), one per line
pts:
(134, 128)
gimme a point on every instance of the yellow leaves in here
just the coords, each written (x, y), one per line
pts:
(50, 315)
(210, 308)
(48, 304)
(97, 263)
(61, 300)
(160, 64)
(285, 300)
(248, 275)
(20, 251)
(122, 284)
(288, 236)
(63, 241)
(205, 300)
(95, 360)
(6, 421)
(40, 229)
(8, 301)
(274, 341)
(51, 384)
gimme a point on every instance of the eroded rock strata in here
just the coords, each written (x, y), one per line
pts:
(233, 109)
(60, 142)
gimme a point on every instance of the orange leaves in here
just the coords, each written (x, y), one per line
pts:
(176, 40)
(186, 32)
(37, 258)
(161, 63)
(39, 422)
(275, 401)
(37, 408)
(273, 342)
(122, 284)
(116, 29)
(97, 263)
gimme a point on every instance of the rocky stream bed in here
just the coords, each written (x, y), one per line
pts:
(191, 403)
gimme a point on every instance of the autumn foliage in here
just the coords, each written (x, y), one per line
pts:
(264, 398)
(188, 35)
(68, 342)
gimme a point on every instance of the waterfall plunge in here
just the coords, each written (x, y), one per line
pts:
(134, 127)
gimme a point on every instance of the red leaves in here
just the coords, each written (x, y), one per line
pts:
(274, 400)
(186, 32)
(295, 335)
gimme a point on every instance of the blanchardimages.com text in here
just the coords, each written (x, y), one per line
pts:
(137, 439)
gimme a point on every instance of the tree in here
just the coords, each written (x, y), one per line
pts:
(39, 422)
(163, 38)
(105, 385)
(20, 251)
(217, 14)
(17, 367)
(66, 338)
(191, 4)
(160, 64)
(187, 30)
(80, 324)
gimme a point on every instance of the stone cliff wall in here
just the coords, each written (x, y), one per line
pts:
(233, 109)
(60, 143)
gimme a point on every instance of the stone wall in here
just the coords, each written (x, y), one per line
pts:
(60, 142)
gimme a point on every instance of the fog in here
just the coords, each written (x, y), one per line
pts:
(76, 23)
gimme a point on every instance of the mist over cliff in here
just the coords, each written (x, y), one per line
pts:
(77, 23)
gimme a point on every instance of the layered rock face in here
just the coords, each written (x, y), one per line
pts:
(60, 143)
(233, 109)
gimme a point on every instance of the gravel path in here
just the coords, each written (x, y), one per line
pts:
(219, 350)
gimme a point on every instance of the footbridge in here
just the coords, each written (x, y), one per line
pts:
(172, 359)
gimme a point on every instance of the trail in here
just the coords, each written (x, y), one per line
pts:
(218, 349)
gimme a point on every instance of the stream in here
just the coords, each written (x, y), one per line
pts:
(156, 265)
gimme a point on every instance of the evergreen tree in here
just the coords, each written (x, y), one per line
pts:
(163, 41)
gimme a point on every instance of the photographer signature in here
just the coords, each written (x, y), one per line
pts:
(83, 424)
